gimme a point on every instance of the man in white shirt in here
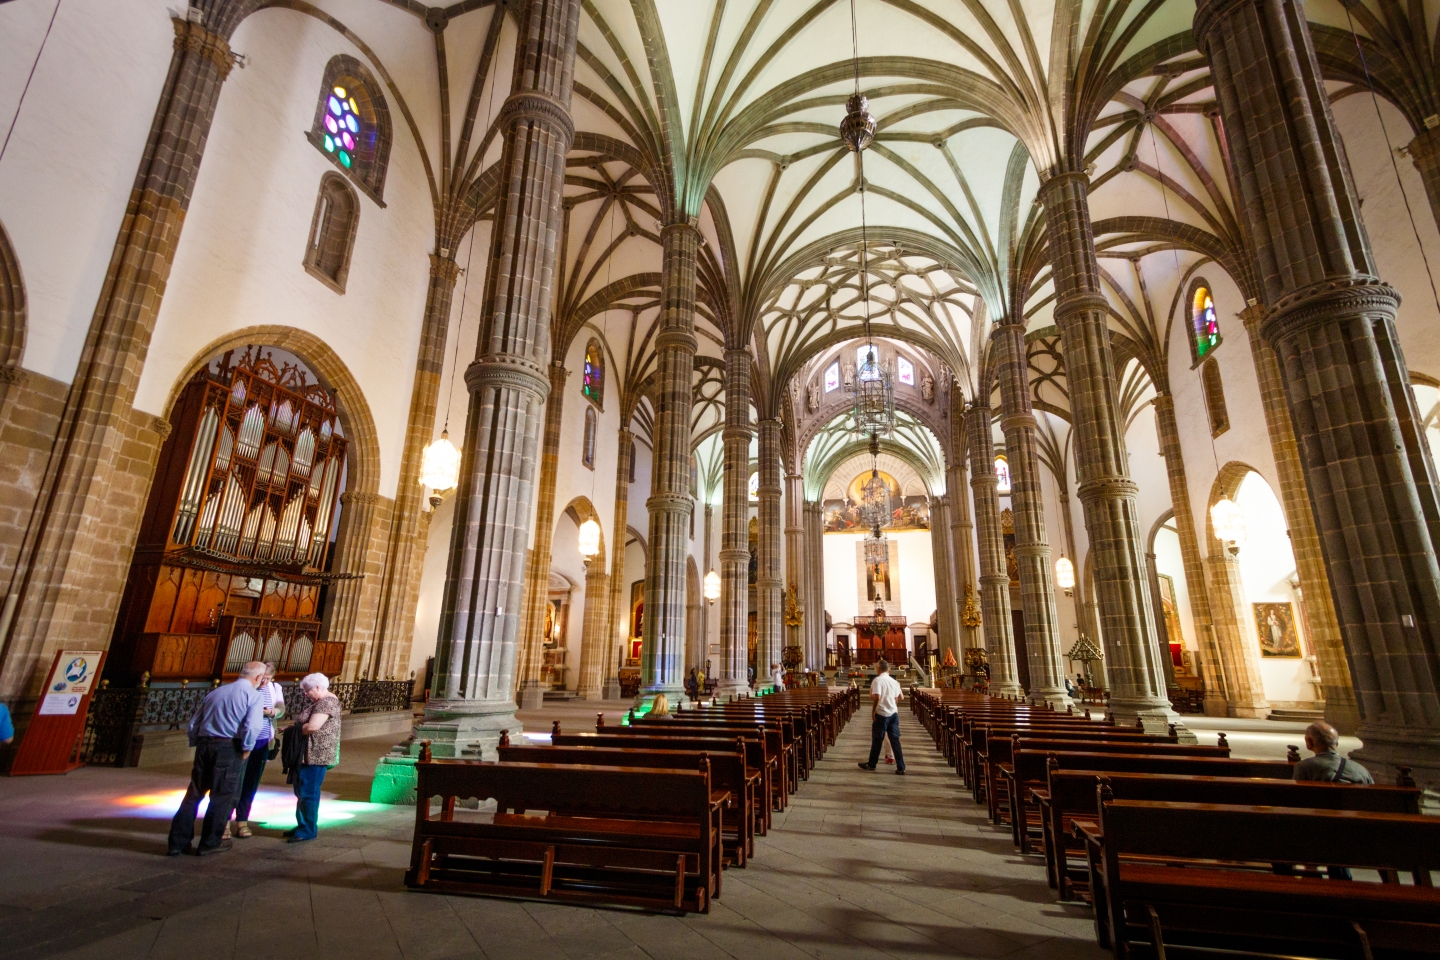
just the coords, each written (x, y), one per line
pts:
(885, 717)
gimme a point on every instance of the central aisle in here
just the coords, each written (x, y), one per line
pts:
(873, 864)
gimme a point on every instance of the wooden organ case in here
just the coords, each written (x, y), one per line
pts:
(230, 560)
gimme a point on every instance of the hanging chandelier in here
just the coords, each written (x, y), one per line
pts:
(873, 390)
(875, 495)
(589, 540)
(1065, 574)
(712, 586)
(1229, 523)
(440, 467)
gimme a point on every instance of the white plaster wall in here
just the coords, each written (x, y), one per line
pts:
(1266, 564)
(68, 171)
(914, 574)
(432, 586)
(1168, 561)
(567, 563)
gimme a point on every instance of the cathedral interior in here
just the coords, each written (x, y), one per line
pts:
(722, 350)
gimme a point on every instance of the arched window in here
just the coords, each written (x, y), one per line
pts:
(1214, 397)
(587, 451)
(592, 381)
(352, 125)
(1002, 475)
(632, 459)
(905, 371)
(332, 232)
(1204, 324)
(755, 485)
(832, 377)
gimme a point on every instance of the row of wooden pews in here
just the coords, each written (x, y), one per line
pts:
(646, 814)
(1181, 848)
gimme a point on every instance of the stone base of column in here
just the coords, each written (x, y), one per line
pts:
(1343, 717)
(1007, 689)
(1057, 698)
(532, 695)
(732, 688)
(1387, 749)
(1155, 716)
(462, 729)
(1216, 707)
(1250, 711)
(612, 689)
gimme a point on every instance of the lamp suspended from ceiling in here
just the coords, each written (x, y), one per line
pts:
(712, 586)
(440, 467)
(589, 540)
(873, 389)
(1229, 523)
(1064, 574)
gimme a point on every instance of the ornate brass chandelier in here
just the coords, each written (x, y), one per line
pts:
(873, 389)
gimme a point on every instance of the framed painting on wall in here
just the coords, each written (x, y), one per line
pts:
(1275, 625)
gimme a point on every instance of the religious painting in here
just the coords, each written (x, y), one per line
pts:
(848, 515)
(637, 608)
(556, 620)
(1275, 624)
(912, 514)
(1171, 609)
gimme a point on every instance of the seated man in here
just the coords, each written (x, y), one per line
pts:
(1327, 764)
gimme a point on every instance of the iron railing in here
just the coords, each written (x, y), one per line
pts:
(119, 718)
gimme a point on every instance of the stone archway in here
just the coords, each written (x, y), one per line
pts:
(349, 613)
(12, 309)
(1239, 659)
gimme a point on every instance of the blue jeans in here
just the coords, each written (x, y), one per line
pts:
(307, 800)
(880, 728)
(250, 782)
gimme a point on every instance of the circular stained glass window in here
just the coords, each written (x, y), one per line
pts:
(342, 124)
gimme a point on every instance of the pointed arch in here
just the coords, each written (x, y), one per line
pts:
(12, 304)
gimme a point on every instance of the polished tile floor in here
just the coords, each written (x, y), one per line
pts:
(861, 865)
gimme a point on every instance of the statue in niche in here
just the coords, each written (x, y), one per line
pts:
(814, 397)
(847, 374)
(927, 388)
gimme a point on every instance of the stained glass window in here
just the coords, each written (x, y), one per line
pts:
(342, 126)
(587, 449)
(755, 485)
(906, 370)
(832, 377)
(1204, 323)
(592, 380)
(1002, 475)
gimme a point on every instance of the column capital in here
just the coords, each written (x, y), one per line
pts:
(1328, 301)
(1018, 421)
(508, 371)
(1080, 301)
(444, 268)
(537, 107)
(192, 37)
(676, 339)
(670, 503)
(1208, 14)
(1097, 489)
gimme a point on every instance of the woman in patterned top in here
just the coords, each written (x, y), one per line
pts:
(272, 696)
(320, 720)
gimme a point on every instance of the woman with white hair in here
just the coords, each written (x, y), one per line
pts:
(319, 720)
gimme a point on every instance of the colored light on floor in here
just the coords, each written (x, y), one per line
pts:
(272, 809)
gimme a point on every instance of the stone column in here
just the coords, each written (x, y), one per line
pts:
(948, 612)
(768, 586)
(962, 527)
(663, 651)
(814, 575)
(1244, 688)
(405, 548)
(1032, 546)
(1424, 150)
(537, 574)
(994, 579)
(795, 564)
(1211, 663)
(594, 635)
(1161, 631)
(1324, 629)
(70, 570)
(617, 617)
(734, 537)
(1331, 323)
(508, 383)
(352, 547)
(1107, 494)
(706, 567)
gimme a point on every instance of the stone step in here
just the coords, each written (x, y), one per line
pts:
(1296, 714)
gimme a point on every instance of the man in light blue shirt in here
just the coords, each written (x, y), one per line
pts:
(223, 732)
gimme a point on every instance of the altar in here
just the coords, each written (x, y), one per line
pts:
(880, 636)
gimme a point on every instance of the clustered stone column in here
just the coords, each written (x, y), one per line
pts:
(537, 574)
(994, 579)
(1239, 658)
(814, 585)
(1032, 546)
(70, 572)
(508, 383)
(795, 579)
(405, 548)
(594, 635)
(1211, 660)
(962, 527)
(1319, 608)
(617, 618)
(352, 544)
(1107, 494)
(769, 639)
(1331, 323)
(663, 649)
(947, 613)
(734, 535)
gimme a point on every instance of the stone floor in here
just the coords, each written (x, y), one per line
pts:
(861, 865)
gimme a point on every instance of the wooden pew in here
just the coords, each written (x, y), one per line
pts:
(1069, 799)
(1181, 875)
(777, 759)
(757, 763)
(976, 746)
(733, 790)
(1025, 768)
(626, 836)
(784, 727)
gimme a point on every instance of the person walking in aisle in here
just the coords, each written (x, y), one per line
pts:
(273, 697)
(319, 719)
(223, 732)
(885, 717)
